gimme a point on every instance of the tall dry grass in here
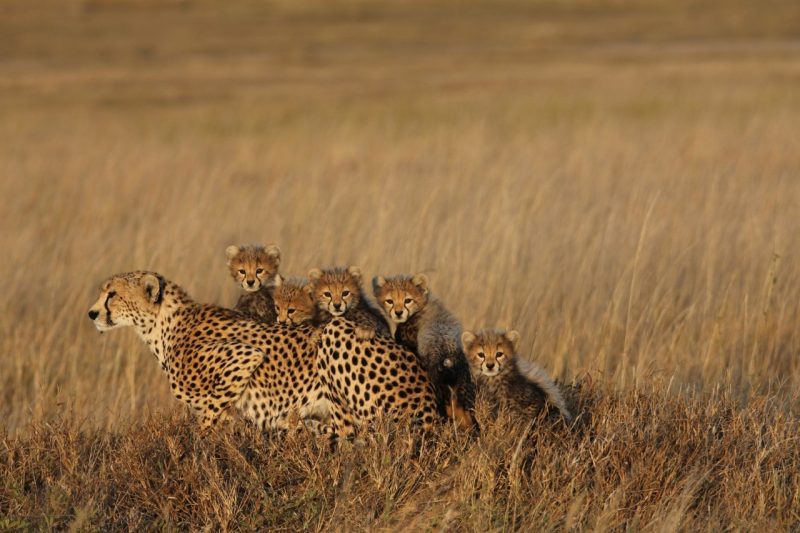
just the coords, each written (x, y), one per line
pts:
(649, 462)
(618, 183)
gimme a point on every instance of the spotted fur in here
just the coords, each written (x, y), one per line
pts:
(366, 378)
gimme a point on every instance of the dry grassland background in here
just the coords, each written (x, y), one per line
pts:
(620, 181)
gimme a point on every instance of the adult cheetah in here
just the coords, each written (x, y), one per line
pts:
(214, 358)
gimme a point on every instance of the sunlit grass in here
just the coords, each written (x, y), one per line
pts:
(619, 184)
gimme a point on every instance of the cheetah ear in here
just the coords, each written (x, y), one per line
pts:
(421, 281)
(274, 253)
(512, 337)
(278, 281)
(153, 288)
(355, 272)
(232, 251)
(467, 338)
(314, 274)
(308, 288)
(377, 284)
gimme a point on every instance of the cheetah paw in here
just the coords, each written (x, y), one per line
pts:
(317, 428)
(364, 334)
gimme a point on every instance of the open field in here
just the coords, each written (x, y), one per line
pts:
(621, 183)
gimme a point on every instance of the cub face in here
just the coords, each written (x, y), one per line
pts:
(294, 303)
(401, 296)
(127, 300)
(335, 290)
(490, 352)
(253, 266)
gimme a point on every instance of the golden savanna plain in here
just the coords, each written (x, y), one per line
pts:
(618, 180)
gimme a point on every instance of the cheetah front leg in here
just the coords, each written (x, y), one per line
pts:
(208, 421)
(342, 423)
(229, 379)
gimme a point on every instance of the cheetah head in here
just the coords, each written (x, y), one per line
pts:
(490, 352)
(131, 299)
(253, 266)
(401, 296)
(294, 300)
(336, 290)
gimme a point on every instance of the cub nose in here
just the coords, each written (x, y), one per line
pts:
(93, 314)
(398, 313)
(251, 282)
(337, 306)
(489, 366)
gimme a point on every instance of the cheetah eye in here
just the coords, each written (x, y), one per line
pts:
(408, 301)
(345, 293)
(499, 355)
(291, 310)
(259, 271)
(389, 302)
(242, 272)
(327, 294)
(481, 355)
(112, 294)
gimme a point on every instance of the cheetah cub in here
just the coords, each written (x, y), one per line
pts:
(294, 301)
(514, 384)
(426, 327)
(254, 268)
(337, 292)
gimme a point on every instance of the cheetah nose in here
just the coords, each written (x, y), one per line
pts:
(93, 314)
(489, 366)
(398, 313)
(337, 306)
(251, 282)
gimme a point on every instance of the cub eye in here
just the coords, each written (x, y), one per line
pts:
(499, 355)
(389, 302)
(345, 293)
(277, 309)
(259, 271)
(242, 272)
(407, 301)
(290, 311)
(481, 355)
(327, 294)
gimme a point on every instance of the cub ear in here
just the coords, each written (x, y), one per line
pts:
(512, 336)
(274, 253)
(308, 288)
(278, 280)
(231, 251)
(153, 288)
(314, 274)
(355, 272)
(421, 281)
(377, 284)
(467, 338)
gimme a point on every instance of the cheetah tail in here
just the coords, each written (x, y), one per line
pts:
(538, 375)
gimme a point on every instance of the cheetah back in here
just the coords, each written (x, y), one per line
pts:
(267, 371)
(365, 378)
